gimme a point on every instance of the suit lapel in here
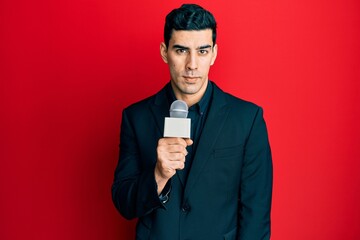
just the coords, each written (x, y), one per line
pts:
(160, 109)
(213, 126)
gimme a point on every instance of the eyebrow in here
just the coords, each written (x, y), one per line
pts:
(204, 47)
(187, 48)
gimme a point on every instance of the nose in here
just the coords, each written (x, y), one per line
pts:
(191, 61)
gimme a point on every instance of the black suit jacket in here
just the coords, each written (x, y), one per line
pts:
(228, 191)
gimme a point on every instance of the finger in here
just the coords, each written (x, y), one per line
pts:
(176, 157)
(168, 141)
(176, 141)
(188, 141)
(177, 165)
(181, 165)
(176, 149)
(168, 168)
(171, 147)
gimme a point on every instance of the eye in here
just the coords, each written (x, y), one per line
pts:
(181, 51)
(203, 51)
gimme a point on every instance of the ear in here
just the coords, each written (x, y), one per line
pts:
(214, 54)
(163, 52)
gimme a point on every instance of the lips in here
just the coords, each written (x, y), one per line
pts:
(191, 79)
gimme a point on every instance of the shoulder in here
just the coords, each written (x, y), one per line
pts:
(139, 111)
(235, 103)
(144, 105)
(140, 105)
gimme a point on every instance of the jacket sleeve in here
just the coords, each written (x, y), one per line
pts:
(134, 190)
(256, 184)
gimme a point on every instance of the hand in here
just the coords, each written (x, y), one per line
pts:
(171, 153)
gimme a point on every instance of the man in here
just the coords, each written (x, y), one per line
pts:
(216, 185)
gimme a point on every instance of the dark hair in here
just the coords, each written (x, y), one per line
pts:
(189, 17)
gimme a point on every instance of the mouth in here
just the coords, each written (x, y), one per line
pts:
(191, 79)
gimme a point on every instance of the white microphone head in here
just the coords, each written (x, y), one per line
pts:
(178, 109)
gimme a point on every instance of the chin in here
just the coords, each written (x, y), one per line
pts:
(190, 90)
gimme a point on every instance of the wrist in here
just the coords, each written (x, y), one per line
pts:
(160, 181)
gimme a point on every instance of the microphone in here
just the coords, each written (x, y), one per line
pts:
(178, 125)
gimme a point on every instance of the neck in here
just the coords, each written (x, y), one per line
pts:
(191, 99)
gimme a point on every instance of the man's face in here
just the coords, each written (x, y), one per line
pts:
(189, 56)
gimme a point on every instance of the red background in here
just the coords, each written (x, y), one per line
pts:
(69, 67)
